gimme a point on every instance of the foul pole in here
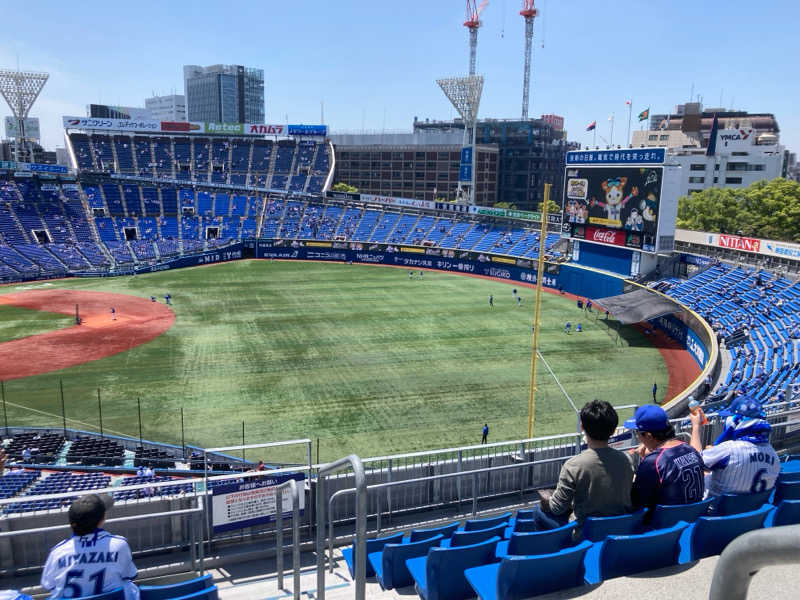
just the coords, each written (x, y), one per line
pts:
(537, 310)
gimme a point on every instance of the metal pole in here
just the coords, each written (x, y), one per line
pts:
(5, 410)
(279, 535)
(537, 310)
(100, 411)
(63, 408)
(139, 407)
(183, 437)
(243, 443)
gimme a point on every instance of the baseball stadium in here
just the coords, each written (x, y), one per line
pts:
(289, 388)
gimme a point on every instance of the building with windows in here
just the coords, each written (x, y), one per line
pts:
(167, 108)
(107, 111)
(224, 93)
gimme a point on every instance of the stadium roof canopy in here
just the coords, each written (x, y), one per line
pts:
(639, 305)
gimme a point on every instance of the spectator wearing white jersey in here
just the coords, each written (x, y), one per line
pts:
(741, 460)
(91, 561)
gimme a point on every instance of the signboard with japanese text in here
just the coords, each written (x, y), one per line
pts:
(31, 125)
(251, 501)
(638, 156)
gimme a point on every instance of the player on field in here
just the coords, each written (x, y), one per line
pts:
(420, 274)
(91, 561)
(411, 274)
(113, 314)
(519, 301)
(741, 461)
(567, 327)
(491, 300)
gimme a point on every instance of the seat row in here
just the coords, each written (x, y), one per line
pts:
(200, 588)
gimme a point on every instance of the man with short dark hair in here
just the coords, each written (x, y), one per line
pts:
(91, 561)
(670, 471)
(595, 483)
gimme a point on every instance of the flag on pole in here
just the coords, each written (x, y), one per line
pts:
(591, 126)
(645, 114)
(627, 102)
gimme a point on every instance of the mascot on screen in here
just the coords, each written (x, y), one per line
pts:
(649, 207)
(635, 221)
(615, 201)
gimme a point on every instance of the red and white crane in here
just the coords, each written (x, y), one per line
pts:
(473, 22)
(528, 12)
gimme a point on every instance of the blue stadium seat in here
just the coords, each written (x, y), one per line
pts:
(115, 594)
(524, 576)
(786, 513)
(440, 574)
(390, 563)
(206, 594)
(523, 526)
(165, 592)
(417, 535)
(595, 529)
(474, 524)
(538, 542)
(525, 513)
(621, 555)
(373, 545)
(667, 515)
(709, 535)
(467, 538)
(731, 504)
(786, 490)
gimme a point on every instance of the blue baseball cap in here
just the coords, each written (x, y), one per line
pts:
(648, 418)
(744, 406)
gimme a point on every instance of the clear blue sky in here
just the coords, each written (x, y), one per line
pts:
(374, 64)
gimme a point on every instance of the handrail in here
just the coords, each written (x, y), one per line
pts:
(292, 485)
(748, 553)
(360, 557)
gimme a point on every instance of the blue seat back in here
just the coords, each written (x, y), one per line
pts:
(789, 476)
(786, 490)
(475, 524)
(525, 576)
(417, 535)
(666, 515)
(542, 542)
(710, 535)
(732, 504)
(444, 569)
(373, 545)
(525, 513)
(787, 513)
(595, 529)
(467, 538)
(206, 594)
(164, 592)
(525, 526)
(628, 554)
(115, 594)
(393, 560)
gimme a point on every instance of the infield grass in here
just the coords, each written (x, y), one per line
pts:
(16, 322)
(360, 357)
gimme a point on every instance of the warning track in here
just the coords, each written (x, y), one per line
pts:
(138, 321)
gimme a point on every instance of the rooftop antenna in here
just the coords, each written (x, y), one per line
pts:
(529, 13)
(473, 23)
(503, 21)
(20, 90)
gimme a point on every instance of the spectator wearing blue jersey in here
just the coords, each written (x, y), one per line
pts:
(741, 460)
(670, 471)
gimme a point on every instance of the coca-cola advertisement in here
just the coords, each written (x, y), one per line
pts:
(615, 198)
(611, 237)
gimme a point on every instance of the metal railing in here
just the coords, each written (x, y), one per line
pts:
(360, 557)
(291, 484)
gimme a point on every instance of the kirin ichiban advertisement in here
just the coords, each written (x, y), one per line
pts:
(618, 206)
(251, 501)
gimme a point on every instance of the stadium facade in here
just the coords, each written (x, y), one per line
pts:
(224, 93)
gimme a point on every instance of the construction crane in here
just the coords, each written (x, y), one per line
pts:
(528, 12)
(473, 22)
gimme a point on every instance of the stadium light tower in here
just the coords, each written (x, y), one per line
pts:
(528, 12)
(20, 90)
(465, 95)
(473, 23)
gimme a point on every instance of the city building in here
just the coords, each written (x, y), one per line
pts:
(167, 108)
(420, 165)
(29, 152)
(107, 111)
(224, 93)
(530, 153)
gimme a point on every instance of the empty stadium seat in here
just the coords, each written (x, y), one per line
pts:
(786, 490)
(467, 538)
(709, 535)
(620, 555)
(538, 542)
(667, 515)
(210, 593)
(417, 535)
(373, 545)
(596, 529)
(786, 513)
(475, 524)
(731, 504)
(390, 563)
(166, 592)
(440, 574)
(518, 577)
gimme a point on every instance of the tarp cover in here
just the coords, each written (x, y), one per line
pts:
(636, 306)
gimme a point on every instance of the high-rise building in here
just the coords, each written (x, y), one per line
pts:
(167, 108)
(224, 93)
(108, 111)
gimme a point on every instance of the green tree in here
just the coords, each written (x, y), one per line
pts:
(505, 205)
(344, 187)
(552, 207)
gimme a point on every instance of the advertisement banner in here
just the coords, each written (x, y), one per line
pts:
(411, 202)
(32, 167)
(682, 333)
(739, 243)
(308, 129)
(233, 252)
(146, 125)
(621, 197)
(181, 127)
(609, 237)
(262, 129)
(342, 195)
(251, 501)
(224, 128)
(639, 156)
(31, 125)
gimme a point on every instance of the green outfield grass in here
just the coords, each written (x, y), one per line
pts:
(360, 357)
(16, 323)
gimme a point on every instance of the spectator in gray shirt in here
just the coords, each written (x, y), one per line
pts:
(595, 483)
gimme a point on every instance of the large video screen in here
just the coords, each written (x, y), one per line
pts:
(614, 205)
